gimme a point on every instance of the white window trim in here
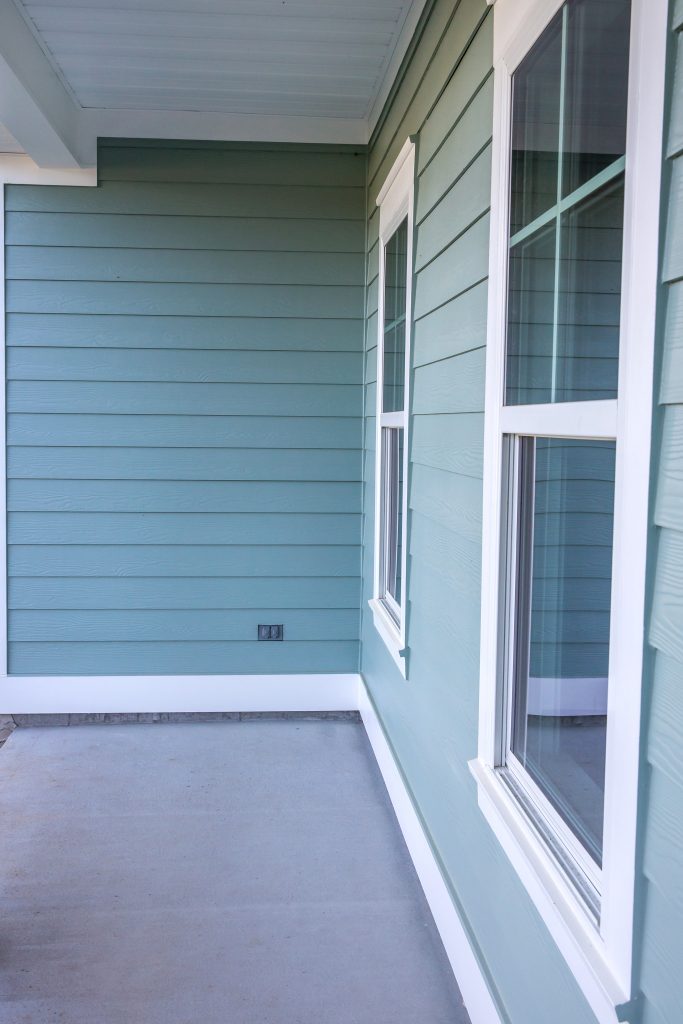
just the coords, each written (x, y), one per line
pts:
(599, 956)
(395, 202)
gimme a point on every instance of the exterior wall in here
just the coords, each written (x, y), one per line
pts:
(184, 369)
(445, 98)
(663, 833)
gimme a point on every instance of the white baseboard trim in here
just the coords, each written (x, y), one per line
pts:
(475, 992)
(47, 695)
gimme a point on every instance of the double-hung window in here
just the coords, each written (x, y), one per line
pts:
(577, 144)
(395, 203)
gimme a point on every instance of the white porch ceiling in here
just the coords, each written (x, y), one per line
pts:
(286, 70)
(8, 144)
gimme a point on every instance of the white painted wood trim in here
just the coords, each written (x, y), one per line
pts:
(20, 169)
(644, 160)
(562, 419)
(480, 1003)
(34, 104)
(395, 201)
(517, 23)
(407, 32)
(48, 695)
(389, 634)
(407, 153)
(207, 126)
(274, 693)
(554, 898)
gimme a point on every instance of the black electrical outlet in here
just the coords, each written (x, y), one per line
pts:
(271, 632)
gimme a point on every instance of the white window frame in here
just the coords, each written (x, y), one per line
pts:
(396, 203)
(599, 954)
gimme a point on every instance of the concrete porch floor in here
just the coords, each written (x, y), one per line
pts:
(238, 872)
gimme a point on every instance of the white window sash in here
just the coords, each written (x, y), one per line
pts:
(599, 956)
(396, 203)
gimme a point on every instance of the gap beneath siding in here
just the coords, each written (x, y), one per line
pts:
(166, 718)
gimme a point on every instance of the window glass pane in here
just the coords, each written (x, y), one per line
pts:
(559, 700)
(531, 309)
(536, 88)
(394, 367)
(563, 315)
(395, 273)
(589, 298)
(392, 512)
(596, 88)
(567, 188)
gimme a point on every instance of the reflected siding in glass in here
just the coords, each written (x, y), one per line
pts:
(566, 503)
(396, 267)
(566, 207)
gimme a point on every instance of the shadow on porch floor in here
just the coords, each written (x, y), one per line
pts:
(233, 872)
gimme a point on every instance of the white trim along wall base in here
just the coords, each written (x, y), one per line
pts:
(49, 695)
(273, 693)
(475, 992)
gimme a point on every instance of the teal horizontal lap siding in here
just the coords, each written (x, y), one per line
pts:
(184, 412)
(177, 625)
(180, 496)
(154, 299)
(172, 231)
(272, 201)
(38, 528)
(173, 398)
(444, 98)
(661, 902)
(181, 561)
(169, 430)
(187, 658)
(80, 593)
(54, 462)
(82, 364)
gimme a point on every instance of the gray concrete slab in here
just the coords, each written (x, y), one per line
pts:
(209, 873)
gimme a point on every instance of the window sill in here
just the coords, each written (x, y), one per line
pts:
(562, 911)
(386, 627)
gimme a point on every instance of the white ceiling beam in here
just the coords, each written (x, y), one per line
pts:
(208, 126)
(34, 105)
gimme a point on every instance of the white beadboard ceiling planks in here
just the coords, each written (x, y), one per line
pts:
(280, 70)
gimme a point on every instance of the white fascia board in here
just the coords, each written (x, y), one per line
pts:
(34, 104)
(209, 126)
(407, 32)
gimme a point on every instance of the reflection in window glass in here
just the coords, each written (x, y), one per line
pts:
(559, 707)
(595, 89)
(536, 89)
(530, 318)
(392, 513)
(563, 308)
(566, 207)
(395, 271)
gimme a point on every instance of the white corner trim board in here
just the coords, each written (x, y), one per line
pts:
(477, 997)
